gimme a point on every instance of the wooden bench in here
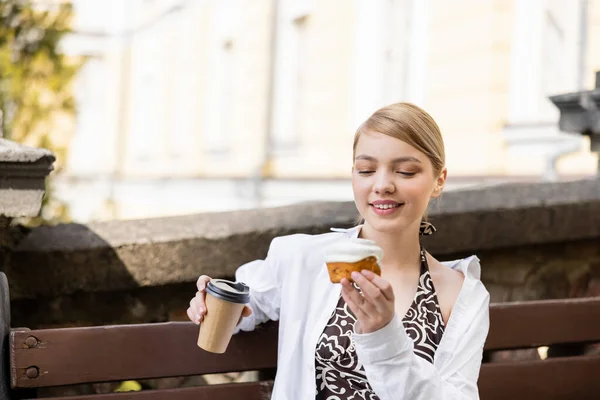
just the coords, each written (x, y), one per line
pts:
(35, 359)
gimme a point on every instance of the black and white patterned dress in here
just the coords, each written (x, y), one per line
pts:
(340, 374)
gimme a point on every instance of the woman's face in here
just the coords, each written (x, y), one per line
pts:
(392, 182)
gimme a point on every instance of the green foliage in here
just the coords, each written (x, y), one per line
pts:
(35, 77)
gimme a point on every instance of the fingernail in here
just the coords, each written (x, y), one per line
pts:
(201, 310)
(198, 317)
(355, 275)
(197, 321)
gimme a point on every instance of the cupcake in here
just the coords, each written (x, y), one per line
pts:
(348, 255)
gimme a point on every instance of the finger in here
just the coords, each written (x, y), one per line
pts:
(349, 288)
(370, 291)
(193, 316)
(246, 312)
(356, 298)
(202, 281)
(354, 305)
(194, 306)
(382, 284)
(198, 307)
(200, 303)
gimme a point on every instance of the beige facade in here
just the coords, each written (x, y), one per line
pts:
(468, 81)
(593, 50)
(234, 88)
(482, 60)
(252, 89)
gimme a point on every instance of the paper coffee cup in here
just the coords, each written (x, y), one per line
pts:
(224, 301)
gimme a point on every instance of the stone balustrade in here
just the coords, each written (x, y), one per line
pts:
(537, 240)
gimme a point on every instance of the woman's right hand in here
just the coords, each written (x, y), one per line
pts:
(197, 309)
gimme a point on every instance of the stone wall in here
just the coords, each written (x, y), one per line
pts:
(550, 271)
(534, 240)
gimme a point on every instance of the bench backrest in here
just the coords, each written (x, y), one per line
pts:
(54, 357)
(568, 322)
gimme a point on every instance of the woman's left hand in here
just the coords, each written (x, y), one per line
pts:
(374, 309)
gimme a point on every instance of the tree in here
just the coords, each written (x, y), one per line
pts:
(36, 79)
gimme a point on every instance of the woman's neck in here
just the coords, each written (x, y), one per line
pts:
(401, 250)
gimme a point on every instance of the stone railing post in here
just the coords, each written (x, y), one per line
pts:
(580, 113)
(23, 172)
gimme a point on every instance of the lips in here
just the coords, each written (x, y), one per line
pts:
(385, 207)
(385, 204)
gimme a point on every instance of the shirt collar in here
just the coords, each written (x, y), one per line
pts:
(349, 232)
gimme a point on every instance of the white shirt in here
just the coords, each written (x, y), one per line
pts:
(292, 285)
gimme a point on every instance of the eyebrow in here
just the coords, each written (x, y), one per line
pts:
(394, 161)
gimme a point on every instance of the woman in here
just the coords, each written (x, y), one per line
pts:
(415, 332)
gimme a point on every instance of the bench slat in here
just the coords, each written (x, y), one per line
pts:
(545, 322)
(551, 379)
(64, 356)
(246, 391)
(93, 354)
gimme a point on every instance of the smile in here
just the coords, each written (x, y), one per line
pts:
(385, 208)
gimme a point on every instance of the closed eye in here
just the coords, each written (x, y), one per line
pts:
(407, 173)
(365, 172)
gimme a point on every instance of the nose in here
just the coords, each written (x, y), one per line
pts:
(384, 183)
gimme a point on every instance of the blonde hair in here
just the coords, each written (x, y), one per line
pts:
(412, 125)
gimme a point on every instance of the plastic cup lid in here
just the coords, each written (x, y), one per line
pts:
(235, 292)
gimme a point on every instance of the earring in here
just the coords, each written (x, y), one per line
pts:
(426, 229)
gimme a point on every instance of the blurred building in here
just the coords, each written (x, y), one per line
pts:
(188, 106)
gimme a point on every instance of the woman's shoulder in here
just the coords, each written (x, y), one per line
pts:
(456, 279)
(448, 284)
(452, 279)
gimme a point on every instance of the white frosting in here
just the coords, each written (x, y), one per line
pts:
(353, 250)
